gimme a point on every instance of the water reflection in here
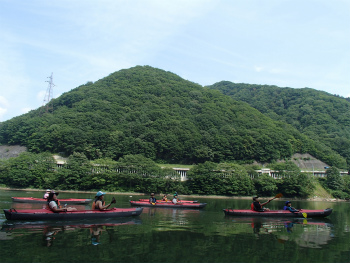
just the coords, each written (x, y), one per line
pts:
(50, 230)
(171, 218)
(312, 233)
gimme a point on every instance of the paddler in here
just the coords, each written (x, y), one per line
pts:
(54, 204)
(152, 199)
(46, 195)
(175, 200)
(99, 203)
(288, 206)
(257, 206)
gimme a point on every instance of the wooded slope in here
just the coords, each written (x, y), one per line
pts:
(144, 110)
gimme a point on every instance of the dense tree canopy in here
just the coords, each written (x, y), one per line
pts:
(159, 115)
(318, 115)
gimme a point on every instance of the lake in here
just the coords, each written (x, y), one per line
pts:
(178, 235)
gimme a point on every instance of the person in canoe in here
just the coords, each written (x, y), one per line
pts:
(54, 204)
(257, 206)
(175, 200)
(165, 198)
(99, 203)
(152, 199)
(288, 206)
(46, 195)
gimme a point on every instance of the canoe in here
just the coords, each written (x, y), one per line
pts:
(278, 213)
(168, 204)
(169, 201)
(45, 214)
(42, 200)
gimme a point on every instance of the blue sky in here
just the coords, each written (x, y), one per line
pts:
(286, 43)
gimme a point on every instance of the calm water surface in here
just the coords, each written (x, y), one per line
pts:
(177, 235)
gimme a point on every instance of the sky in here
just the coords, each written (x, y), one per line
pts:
(287, 43)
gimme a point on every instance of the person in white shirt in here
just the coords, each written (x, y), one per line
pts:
(46, 195)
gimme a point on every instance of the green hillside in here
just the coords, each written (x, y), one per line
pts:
(144, 110)
(318, 115)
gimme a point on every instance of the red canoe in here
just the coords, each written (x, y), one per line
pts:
(42, 200)
(45, 214)
(168, 204)
(278, 213)
(169, 201)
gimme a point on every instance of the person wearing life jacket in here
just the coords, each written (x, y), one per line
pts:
(165, 198)
(53, 203)
(288, 206)
(99, 203)
(257, 206)
(152, 199)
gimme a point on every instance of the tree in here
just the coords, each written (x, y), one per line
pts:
(265, 185)
(334, 180)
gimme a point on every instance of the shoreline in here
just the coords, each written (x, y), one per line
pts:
(317, 199)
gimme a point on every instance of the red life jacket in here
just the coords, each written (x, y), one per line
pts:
(252, 207)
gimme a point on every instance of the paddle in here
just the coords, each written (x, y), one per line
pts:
(277, 196)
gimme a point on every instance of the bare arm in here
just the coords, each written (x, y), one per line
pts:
(268, 201)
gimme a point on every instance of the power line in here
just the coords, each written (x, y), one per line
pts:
(49, 94)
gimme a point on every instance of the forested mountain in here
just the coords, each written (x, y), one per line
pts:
(316, 114)
(144, 110)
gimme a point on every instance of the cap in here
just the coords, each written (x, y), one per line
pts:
(48, 190)
(152, 194)
(255, 197)
(99, 193)
(287, 202)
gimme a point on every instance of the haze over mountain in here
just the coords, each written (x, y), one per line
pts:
(145, 110)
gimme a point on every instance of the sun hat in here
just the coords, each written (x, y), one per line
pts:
(99, 193)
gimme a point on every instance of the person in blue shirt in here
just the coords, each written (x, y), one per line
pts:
(152, 199)
(288, 206)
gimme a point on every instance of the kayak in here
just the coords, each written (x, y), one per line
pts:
(278, 213)
(168, 204)
(169, 201)
(45, 214)
(42, 200)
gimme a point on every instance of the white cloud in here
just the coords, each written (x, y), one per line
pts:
(258, 69)
(4, 101)
(25, 110)
(2, 112)
(41, 95)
